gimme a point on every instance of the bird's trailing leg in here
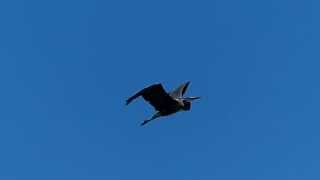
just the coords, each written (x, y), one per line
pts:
(152, 118)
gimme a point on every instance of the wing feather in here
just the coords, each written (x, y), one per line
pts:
(179, 92)
(157, 97)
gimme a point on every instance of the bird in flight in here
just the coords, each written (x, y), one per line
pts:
(164, 103)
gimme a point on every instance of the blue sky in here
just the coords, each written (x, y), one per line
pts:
(66, 68)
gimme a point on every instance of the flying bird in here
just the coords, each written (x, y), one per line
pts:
(164, 103)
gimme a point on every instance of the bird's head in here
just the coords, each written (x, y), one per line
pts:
(187, 102)
(186, 105)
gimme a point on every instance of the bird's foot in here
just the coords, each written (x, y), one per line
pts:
(145, 122)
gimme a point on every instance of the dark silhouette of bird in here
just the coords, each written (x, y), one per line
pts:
(164, 103)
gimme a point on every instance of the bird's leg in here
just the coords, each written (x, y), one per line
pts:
(152, 118)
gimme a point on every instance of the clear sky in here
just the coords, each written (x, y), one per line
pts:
(66, 68)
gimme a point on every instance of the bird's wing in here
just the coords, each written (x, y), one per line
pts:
(156, 96)
(179, 92)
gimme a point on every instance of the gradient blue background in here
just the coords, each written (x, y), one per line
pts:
(66, 68)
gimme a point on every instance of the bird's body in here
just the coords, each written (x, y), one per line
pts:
(164, 103)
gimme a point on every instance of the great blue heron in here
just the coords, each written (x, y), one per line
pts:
(163, 102)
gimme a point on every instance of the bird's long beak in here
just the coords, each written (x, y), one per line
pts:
(190, 98)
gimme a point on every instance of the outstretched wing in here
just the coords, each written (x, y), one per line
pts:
(156, 96)
(179, 92)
